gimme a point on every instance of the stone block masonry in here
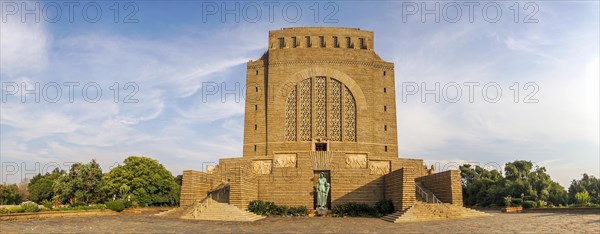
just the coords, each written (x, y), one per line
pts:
(319, 99)
(194, 186)
(400, 188)
(445, 185)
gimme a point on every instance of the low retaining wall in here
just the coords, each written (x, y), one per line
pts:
(573, 210)
(512, 209)
(55, 214)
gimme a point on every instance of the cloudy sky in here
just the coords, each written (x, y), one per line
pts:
(157, 59)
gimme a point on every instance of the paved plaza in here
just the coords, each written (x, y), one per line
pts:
(147, 222)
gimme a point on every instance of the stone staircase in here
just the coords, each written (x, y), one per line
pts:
(423, 211)
(425, 195)
(176, 212)
(415, 213)
(429, 208)
(450, 211)
(214, 210)
(215, 206)
(209, 209)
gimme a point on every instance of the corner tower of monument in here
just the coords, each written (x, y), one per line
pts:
(320, 89)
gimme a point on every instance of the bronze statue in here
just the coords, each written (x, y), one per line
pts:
(322, 191)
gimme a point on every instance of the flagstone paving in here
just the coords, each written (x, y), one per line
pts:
(146, 222)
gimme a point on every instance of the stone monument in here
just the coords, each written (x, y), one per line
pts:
(320, 117)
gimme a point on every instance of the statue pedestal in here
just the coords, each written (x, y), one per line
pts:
(322, 211)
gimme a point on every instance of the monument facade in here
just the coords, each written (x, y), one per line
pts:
(320, 108)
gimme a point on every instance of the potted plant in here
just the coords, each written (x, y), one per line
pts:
(510, 206)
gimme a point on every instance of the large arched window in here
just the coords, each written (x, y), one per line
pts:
(320, 107)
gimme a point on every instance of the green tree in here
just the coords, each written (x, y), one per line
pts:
(9, 194)
(484, 187)
(41, 186)
(83, 183)
(481, 187)
(149, 182)
(517, 170)
(532, 181)
(589, 184)
(179, 179)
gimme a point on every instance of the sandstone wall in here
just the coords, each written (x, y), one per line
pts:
(400, 188)
(271, 79)
(243, 187)
(290, 186)
(356, 185)
(445, 185)
(194, 186)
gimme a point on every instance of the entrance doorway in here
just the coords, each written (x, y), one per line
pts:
(326, 174)
(320, 146)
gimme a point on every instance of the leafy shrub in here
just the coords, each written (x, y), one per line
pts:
(529, 204)
(282, 210)
(16, 209)
(354, 209)
(583, 198)
(269, 208)
(261, 207)
(12, 210)
(30, 206)
(385, 207)
(117, 205)
(298, 211)
(78, 204)
(516, 201)
(540, 203)
(47, 204)
(90, 207)
(128, 204)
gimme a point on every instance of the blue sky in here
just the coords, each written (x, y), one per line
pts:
(171, 51)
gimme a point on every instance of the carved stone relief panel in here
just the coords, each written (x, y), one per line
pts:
(262, 167)
(284, 160)
(379, 167)
(356, 160)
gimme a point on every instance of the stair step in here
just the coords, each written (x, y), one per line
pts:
(423, 211)
(223, 212)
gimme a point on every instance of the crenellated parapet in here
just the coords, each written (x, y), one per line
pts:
(320, 37)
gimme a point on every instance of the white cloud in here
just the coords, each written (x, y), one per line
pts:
(562, 126)
(32, 123)
(172, 123)
(24, 47)
(167, 121)
(213, 110)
